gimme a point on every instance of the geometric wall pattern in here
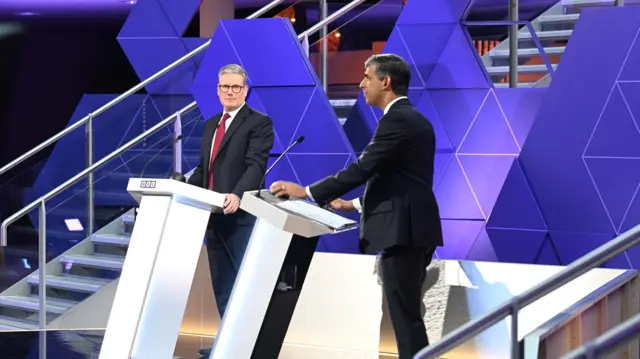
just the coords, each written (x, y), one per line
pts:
(582, 156)
(526, 175)
(283, 84)
(480, 132)
(151, 37)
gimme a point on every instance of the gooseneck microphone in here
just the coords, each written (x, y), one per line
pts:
(158, 153)
(298, 140)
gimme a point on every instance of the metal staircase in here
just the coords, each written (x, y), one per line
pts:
(553, 28)
(80, 272)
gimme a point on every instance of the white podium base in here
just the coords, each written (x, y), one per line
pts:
(252, 292)
(156, 279)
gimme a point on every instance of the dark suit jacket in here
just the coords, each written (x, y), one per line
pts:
(398, 205)
(241, 161)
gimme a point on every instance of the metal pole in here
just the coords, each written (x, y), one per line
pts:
(619, 2)
(90, 178)
(42, 287)
(515, 347)
(324, 12)
(177, 145)
(513, 44)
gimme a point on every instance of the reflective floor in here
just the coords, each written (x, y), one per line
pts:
(86, 345)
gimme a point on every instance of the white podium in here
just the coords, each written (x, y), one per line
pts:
(272, 273)
(158, 271)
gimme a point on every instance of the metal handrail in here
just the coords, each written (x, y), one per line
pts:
(577, 268)
(120, 98)
(611, 340)
(75, 179)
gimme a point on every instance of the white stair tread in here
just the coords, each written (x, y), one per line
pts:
(533, 51)
(32, 303)
(343, 103)
(542, 35)
(119, 239)
(500, 85)
(128, 218)
(72, 282)
(558, 18)
(7, 323)
(522, 69)
(94, 260)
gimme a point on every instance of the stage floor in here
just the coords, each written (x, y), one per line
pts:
(67, 344)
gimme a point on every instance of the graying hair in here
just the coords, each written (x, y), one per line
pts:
(395, 67)
(233, 69)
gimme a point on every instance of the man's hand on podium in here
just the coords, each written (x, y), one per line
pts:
(231, 203)
(342, 205)
(283, 188)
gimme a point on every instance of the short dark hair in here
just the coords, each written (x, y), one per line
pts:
(396, 68)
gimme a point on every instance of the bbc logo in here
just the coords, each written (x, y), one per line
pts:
(148, 184)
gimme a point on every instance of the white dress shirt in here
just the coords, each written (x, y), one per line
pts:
(356, 201)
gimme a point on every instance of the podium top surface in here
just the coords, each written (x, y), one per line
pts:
(139, 187)
(295, 216)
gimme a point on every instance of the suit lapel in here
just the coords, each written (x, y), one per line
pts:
(237, 122)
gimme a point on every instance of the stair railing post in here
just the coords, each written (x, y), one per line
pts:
(177, 145)
(42, 286)
(515, 347)
(513, 44)
(90, 178)
(619, 2)
(324, 59)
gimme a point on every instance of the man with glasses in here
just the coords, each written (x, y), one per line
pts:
(233, 159)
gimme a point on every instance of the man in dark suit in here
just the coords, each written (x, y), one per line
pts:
(233, 159)
(400, 217)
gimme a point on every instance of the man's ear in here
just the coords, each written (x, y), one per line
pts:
(386, 82)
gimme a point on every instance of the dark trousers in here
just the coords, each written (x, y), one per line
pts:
(226, 244)
(404, 270)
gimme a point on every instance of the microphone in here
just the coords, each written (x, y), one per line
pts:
(177, 176)
(159, 152)
(298, 140)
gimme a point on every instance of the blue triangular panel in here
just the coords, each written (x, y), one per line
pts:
(455, 198)
(459, 65)
(516, 207)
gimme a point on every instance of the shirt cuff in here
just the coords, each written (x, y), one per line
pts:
(309, 193)
(357, 205)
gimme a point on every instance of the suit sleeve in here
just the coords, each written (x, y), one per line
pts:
(379, 153)
(260, 144)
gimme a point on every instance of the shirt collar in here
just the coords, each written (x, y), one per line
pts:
(232, 114)
(386, 109)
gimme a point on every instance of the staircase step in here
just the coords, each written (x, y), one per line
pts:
(530, 52)
(32, 303)
(117, 239)
(11, 324)
(129, 219)
(546, 35)
(522, 69)
(72, 282)
(502, 85)
(343, 103)
(546, 19)
(103, 261)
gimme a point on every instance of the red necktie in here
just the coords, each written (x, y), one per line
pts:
(216, 145)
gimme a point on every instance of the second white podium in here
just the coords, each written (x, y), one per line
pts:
(272, 274)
